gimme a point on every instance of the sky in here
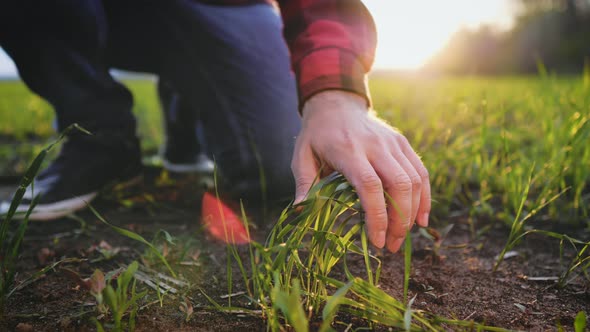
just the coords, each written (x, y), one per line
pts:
(410, 31)
(6, 66)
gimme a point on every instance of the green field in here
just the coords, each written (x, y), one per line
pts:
(480, 138)
(23, 114)
(26, 123)
(509, 160)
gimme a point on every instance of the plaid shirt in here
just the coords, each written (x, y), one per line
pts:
(332, 43)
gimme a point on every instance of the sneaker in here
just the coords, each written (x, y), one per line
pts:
(187, 162)
(221, 222)
(185, 145)
(84, 166)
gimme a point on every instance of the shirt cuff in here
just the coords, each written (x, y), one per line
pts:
(330, 69)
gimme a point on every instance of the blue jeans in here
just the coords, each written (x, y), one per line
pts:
(231, 63)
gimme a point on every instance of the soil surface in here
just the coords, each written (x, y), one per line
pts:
(454, 281)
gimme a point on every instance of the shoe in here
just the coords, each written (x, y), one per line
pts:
(85, 165)
(187, 162)
(184, 149)
(221, 222)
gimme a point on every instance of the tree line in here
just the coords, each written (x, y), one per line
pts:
(550, 33)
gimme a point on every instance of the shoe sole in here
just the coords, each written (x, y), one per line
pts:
(202, 168)
(52, 211)
(47, 212)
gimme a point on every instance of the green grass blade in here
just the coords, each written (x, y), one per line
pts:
(407, 263)
(332, 305)
(289, 302)
(134, 236)
(365, 247)
(42, 272)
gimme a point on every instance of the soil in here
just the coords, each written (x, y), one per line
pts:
(455, 281)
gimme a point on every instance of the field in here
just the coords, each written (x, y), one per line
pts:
(509, 160)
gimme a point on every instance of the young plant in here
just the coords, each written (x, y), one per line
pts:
(186, 307)
(517, 227)
(579, 264)
(580, 322)
(287, 299)
(291, 278)
(10, 243)
(121, 300)
(407, 264)
(163, 242)
(96, 285)
(437, 238)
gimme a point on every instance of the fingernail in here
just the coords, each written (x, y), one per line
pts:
(424, 219)
(380, 240)
(396, 244)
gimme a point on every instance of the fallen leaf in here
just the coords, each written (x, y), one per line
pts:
(96, 282)
(24, 327)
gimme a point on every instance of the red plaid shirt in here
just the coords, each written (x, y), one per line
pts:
(332, 43)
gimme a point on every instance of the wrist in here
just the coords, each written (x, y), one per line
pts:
(330, 99)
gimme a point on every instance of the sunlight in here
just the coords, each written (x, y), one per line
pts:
(410, 32)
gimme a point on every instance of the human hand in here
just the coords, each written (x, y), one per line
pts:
(339, 133)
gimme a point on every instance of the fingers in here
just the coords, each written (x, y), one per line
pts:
(407, 186)
(425, 196)
(368, 186)
(304, 168)
(400, 192)
(404, 179)
(416, 184)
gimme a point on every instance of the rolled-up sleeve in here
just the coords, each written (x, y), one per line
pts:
(332, 44)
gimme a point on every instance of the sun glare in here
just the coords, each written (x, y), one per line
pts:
(411, 31)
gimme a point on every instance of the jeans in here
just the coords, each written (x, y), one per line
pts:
(229, 62)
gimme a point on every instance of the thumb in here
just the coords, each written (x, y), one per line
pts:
(305, 171)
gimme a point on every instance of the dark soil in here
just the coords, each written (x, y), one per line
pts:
(455, 282)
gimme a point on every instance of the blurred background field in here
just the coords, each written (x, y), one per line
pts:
(479, 137)
(27, 122)
(495, 97)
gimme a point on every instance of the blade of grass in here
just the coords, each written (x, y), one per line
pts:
(407, 264)
(134, 236)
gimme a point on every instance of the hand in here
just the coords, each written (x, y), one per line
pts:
(339, 133)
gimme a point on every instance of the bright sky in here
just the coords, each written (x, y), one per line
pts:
(410, 31)
(6, 66)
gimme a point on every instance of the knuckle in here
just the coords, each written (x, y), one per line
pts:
(371, 182)
(401, 230)
(381, 218)
(303, 181)
(380, 221)
(416, 180)
(374, 139)
(346, 140)
(381, 146)
(423, 172)
(402, 140)
(402, 182)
